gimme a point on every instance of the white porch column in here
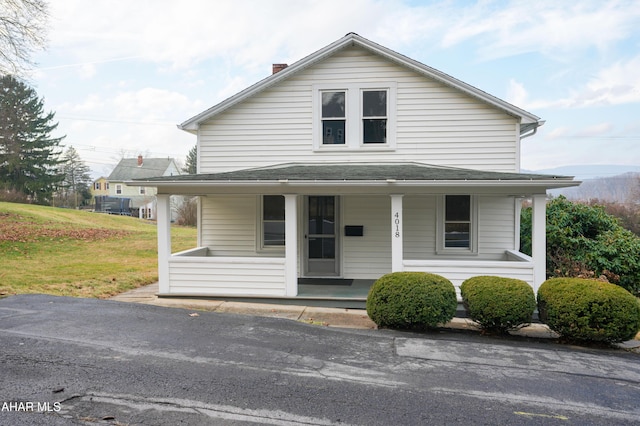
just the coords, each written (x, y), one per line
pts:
(291, 244)
(163, 223)
(396, 233)
(539, 240)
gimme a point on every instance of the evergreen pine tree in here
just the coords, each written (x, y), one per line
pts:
(29, 156)
(76, 178)
(191, 166)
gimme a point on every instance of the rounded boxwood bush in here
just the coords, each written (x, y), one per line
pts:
(588, 310)
(411, 300)
(498, 304)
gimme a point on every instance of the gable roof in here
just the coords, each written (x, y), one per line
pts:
(528, 120)
(128, 169)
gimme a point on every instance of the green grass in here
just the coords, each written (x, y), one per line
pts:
(75, 253)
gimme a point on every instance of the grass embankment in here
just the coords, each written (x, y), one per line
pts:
(76, 253)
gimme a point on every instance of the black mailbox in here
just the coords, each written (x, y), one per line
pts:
(354, 230)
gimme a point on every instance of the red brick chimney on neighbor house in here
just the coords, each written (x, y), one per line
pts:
(139, 160)
(278, 67)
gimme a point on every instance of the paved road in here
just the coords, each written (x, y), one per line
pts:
(82, 361)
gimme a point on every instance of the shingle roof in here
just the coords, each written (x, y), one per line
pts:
(128, 169)
(358, 172)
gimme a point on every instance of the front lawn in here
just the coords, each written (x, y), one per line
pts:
(76, 253)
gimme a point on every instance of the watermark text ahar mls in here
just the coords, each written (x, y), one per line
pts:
(30, 406)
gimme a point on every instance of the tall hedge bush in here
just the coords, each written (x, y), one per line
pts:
(411, 300)
(588, 310)
(498, 304)
(584, 241)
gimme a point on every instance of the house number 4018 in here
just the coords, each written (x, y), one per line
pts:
(396, 221)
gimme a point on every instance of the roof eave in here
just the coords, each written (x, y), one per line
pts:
(396, 183)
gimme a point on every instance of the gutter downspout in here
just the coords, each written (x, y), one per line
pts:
(534, 131)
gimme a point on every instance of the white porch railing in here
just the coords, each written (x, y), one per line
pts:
(192, 272)
(195, 273)
(519, 266)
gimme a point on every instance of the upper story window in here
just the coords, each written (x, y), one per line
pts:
(97, 186)
(333, 118)
(118, 189)
(354, 116)
(374, 116)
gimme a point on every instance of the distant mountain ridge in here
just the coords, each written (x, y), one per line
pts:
(619, 184)
(584, 172)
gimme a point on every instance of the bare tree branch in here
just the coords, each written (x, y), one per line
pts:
(23, 30)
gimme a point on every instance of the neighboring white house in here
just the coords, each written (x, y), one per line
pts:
(352, 163)
(143, 198)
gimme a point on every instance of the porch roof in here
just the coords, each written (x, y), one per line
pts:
(407, 173)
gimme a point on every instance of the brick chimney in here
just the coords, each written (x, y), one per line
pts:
(277, 68)
(139, 160)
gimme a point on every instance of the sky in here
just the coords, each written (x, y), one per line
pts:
(120, 75)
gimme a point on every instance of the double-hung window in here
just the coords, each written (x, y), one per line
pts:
(374, 116)
(354, 116)
(457, 224)
(273, 224)
(333, 118)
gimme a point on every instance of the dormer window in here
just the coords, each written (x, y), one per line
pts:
(354, 116)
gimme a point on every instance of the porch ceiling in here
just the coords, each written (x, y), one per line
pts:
(400, 174)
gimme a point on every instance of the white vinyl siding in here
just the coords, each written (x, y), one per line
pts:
(227, 276)
(229, 225)
(419, 226)
(369, 256)
(495, 221)
(496, 224)
(435, 124)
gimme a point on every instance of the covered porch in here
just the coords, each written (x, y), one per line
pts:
(400, 205)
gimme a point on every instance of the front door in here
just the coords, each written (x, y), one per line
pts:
(321, 236)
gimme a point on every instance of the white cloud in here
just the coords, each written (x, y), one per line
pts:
(103, 128)
(595, 130)
(517, 94)
(556, 133)
(616, 84)
(501, 29)
(186, 32)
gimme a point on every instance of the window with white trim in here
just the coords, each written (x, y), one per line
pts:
(333, 118)
(374, 116)
(118, 189)
(272, 221)
(457, 230)
(354, 116)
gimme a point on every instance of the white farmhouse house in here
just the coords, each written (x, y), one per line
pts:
(351, 163)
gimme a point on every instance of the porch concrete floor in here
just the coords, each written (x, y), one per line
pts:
(356, 289)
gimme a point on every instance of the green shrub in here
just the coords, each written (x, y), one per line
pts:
(411, 300)
(588, 310)
(498, 304)
(584, 241)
